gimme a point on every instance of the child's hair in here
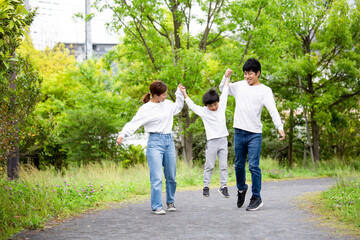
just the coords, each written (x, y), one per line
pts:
(210, 97)
(156, 87)
(252, 65)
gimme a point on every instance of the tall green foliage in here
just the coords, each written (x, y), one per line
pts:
(19, 85)
(158, 45)
(87, 130)
(321, 71)
(310, 57)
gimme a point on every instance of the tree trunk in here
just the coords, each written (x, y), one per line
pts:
(188, 149)
(305, 155)
(177, 22)
(291, 137)
(306, 126)
(316, 137)
(13, 157)
(186, 137)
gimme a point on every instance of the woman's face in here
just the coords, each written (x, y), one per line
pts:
(161, 97)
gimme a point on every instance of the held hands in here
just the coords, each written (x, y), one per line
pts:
(183, 90)
(228, 73)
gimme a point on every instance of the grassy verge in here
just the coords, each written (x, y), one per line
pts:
(338, 208)
(340, 205)
(40, 196)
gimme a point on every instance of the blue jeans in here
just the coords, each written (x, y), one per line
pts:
(161, 153)
(248, 144)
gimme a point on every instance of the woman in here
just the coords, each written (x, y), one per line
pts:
(157, 117)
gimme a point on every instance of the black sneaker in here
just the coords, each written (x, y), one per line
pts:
(224, 192)
(206, 191)
(255, 204)
(241, 197)
(171, 207)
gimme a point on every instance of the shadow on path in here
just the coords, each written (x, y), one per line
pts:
(202, 218)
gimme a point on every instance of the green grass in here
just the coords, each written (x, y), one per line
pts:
(41, 196)
(343, 200)
(337, 208)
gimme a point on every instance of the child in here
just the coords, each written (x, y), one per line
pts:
(213, 117)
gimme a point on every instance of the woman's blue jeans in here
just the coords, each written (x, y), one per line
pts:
(161, 153)
(248, 144)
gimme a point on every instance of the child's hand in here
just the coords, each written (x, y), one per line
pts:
(183, 90)
(227, 81)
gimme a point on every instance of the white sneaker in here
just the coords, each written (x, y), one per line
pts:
(159, 211)
(171, 207)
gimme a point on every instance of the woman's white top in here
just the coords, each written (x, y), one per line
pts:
(214, 121)
(250, 101)
(155, 117)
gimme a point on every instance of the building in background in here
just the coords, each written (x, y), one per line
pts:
(98, 49)
(55, 23)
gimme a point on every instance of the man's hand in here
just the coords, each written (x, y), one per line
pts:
(282, 133)
(228, 73)
(119, 140)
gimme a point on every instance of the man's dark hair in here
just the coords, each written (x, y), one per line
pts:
(210, 97)
(252, 65)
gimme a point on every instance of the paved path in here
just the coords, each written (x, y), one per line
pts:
(202, 218)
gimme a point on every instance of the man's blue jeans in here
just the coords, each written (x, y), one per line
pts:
(161, 153)
(248, 144)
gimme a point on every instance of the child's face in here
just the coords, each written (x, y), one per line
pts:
(213, 107)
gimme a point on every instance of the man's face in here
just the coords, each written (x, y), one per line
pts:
(252, 78)
(213, 107)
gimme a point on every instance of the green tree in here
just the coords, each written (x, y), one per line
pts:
(87, 130)
(322, 63)
(19, 81)
(310, 57)
(158, 44)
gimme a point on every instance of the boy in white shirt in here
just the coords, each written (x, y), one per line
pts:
(213, 117)
(250, 98)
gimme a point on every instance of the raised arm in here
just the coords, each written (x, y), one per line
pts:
(195, 108)
(226, 80)
(179, 103)
(224, 94)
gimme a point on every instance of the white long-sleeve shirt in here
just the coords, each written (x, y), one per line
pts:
(214, 121)
(155, 117)
(250, 101)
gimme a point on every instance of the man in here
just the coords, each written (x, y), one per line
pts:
(250, 97)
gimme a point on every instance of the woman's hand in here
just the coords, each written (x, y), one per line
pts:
(119, 140)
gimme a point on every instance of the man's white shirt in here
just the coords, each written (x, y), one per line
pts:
(250, 101)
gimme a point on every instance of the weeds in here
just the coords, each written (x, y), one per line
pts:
(343, 200)
(40, 196)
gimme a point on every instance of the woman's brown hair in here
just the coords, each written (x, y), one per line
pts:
(156, 87)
